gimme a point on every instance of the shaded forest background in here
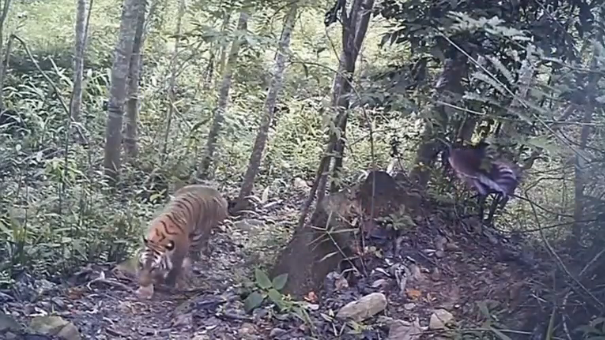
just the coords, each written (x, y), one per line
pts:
(108, 107)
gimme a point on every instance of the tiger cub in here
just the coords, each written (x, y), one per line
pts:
(177, 235)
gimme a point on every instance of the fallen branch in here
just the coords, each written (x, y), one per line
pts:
(110, 283)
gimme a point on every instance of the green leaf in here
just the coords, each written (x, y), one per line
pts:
(262, 280)
(279, 282)
(253, 301)
(276, 298)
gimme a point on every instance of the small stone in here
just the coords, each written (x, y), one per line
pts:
(403, 330)
(451, 247)
(55, 326)
(409, 306)
(440, 318)
(69, 332)
(276, 332)
(363, 308)
(247, 331)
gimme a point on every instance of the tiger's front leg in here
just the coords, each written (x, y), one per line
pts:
(176, 270)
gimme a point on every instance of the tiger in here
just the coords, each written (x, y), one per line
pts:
(177, 235)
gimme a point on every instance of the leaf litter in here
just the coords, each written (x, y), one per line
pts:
(437, 266)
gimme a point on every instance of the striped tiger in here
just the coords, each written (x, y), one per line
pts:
(177, 235)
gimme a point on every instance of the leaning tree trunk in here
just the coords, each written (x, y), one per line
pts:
(132, 106)
(299, 250)
(203, 171)
(119, 74)
(274, 88)
(448, 89)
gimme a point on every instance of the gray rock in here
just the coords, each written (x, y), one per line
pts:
(363, 308)
(440, 318)
(403, 330)
(55, 326)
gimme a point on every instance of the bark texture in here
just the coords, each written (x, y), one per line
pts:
(119, 75)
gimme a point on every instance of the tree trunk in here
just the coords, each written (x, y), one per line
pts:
(354, 31)
(76, 97)
(222, 61)
(132, 106)
(119, 75)
(274, 88)
(581, 161)
(317, 260)
(448, 89)
(4, 67)
(173, 77)
(203, 171)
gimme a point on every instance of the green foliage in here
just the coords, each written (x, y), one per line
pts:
(595, 330)
(266, 289)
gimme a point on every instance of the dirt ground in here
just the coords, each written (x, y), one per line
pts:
(479, 277)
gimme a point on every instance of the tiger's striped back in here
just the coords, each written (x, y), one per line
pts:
(180, 230)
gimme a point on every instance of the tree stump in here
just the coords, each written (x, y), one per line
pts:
(318, 248)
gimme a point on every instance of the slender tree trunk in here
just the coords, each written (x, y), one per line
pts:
(274, 88)
(76, 97)
(203, 171)
(4, 68)
(132, 105)
(209, 72)
(581, 161)
(222, 61)
(119, 75)
(173, 76)
(354, 30)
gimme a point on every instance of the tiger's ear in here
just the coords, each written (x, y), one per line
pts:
(170, 245)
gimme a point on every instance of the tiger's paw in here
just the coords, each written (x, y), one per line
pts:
(145, 292)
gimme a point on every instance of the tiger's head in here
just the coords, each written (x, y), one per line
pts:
(154, 260)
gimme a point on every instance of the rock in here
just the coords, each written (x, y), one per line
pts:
(440, 318)
(409, 306)
(247, 331)
(55, 326)
(277, 332)
(8, 324)
(363, 308)
(403, 330)
(440, 243)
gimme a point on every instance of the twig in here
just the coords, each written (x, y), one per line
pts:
(594, 259)
(234, 316)
(110, 283)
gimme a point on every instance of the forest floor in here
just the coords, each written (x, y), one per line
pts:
(439, 272)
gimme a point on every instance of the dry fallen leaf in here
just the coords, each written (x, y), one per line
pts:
(413, 294)
(311, 297)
